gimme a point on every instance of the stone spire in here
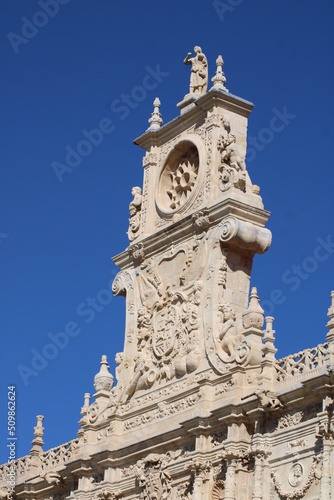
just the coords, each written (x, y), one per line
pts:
(155, 121)
(254, 316)
(269, 350)
(103, 381)
(219, 80)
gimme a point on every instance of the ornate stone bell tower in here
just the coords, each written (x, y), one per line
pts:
(193, 230)
(202, 409)
(191, 333)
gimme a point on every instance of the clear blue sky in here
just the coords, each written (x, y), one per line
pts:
(57, 238)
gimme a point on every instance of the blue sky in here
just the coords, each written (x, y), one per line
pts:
(67, 76)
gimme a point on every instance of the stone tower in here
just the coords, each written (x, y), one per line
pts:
(201, 409)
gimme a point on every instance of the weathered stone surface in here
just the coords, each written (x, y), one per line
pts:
(202, 408)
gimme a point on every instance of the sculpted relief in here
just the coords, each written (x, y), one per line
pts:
(181, 311)
(135, 213)
(168, 321)
(232, 168)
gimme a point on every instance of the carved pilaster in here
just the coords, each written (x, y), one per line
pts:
(325, 433)
(260, 453)
(231, 465)
(202, 474)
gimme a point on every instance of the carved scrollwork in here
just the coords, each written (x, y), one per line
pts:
(118, 286)
(245, 235)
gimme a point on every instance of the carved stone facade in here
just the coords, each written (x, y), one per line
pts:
(202, 409)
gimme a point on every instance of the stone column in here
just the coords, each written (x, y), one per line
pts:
(325, 433)
(201, 472)
(197, 491)
(258, 479)
(325, 487)
(231, 464)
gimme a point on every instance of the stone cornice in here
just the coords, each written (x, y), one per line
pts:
(203, 104)
(177, 232)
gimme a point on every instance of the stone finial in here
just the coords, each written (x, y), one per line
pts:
(269, 350)
(254, 316)
(39, 429)
(269, 332)
(85, 407)
(86, 399)
(219, 80)
(38, 442)
(103, 381)
(155, 121)
(267, 376)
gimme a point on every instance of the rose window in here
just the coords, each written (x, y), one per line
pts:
(179, 177)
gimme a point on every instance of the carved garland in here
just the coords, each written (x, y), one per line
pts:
(313, 475)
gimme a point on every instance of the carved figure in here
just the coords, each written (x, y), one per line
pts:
(230, 153)
(144, 326)
(144, 375)
(229, 333)
(119, 360)
(232, 168)
(296, 475)
(199, 71)
(52, 477)
(135, 204)
(135, 213)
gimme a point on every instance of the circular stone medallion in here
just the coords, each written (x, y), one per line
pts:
(178, 178)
